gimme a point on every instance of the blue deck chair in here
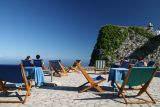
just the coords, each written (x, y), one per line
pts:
(137, 76)
(14, 74)
(58, 68)
(100, 65)
(151, 64)
(125, 64)
(92, 81)
(38, 63)
(27, 63)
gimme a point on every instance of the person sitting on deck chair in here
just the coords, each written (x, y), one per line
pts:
(27, 62)
(141, 62)
(38, 62)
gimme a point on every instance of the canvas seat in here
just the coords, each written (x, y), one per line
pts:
(137, 77)
(27, 63)
(14, 74)
(40, 63)
(58, 68)
(151, 64)
(74, 66)
(93, 82)
(100, 66)
(125, 64)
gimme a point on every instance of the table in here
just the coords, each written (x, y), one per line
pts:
(116, 74)
(35, 73)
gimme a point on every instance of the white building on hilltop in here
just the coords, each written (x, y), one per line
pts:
(157, 32)
(150, 27)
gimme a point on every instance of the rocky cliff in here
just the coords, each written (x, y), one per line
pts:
(127, 41)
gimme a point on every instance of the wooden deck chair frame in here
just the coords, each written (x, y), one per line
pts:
(56, 71)
(27, 88)
(93, 84)
(142, 89)
(100, 65)
(74, 67)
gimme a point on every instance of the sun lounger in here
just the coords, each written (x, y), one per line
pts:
(14, 74)
(74, 66)
(92, 81)
(58, 68)
(27, 63)
(137, 77)
(100, 66)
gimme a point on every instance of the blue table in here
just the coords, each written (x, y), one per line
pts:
(116, 74)
(35, 73)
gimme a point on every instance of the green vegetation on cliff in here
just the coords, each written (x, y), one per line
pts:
(141, 31)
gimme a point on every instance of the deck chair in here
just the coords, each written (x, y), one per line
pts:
(40, 63)
(14, 74)
(27, 63)
(151, 64)
(58, 68)
(139, 77)
(74, 66)
(125, 64)
(100, 65)
(92, 81)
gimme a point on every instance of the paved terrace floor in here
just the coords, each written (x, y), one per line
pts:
(66, 94)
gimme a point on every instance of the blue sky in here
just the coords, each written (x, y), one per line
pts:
(65, 29)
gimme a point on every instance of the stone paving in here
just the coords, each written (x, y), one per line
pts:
(65, 94)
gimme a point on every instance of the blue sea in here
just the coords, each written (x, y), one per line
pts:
(64, 62)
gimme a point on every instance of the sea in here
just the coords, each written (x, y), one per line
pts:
(64, 62)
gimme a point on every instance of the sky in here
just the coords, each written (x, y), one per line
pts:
(65, 29)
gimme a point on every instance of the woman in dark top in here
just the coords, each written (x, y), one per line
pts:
(140, 63)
